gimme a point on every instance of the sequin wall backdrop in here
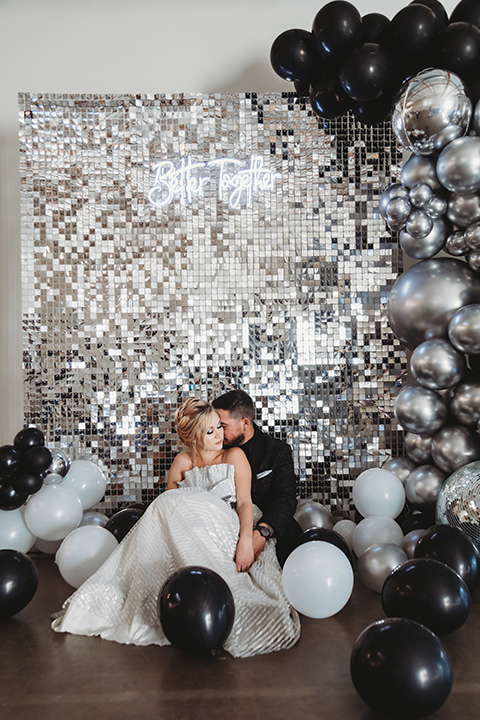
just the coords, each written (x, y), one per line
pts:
(153, 270)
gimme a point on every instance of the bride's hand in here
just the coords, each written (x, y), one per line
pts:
(244, 556)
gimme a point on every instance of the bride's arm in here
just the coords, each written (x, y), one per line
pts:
(180, 464)
(244, 556)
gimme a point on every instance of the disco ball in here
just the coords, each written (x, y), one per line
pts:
(458, 502)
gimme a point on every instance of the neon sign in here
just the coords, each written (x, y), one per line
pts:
(236, 181)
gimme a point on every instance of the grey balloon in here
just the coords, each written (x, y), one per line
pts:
(437, 206)
(454, 446)
(419, 448)
(396, 190)
(398, 212)
(420, 169)
(464, 329)
(92, 517)
(436, 364)
(420, 195)
(472, 236)
(431, 111)
(465, 402)
(310, 514)
(377, 562)
(423, 486)
(420, 410)
(455, 244)
(458, 165)
(476, 118)
(463, 210)
(428, 246)
(459, 500)
(410, 540)
(400, 466)
(473, 260)
(427, 295)
(419, 224)
(61, 462)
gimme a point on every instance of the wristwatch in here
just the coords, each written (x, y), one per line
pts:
(264, 531)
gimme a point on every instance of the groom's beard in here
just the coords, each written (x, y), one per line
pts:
(235, 442)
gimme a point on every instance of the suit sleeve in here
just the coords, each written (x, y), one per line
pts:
(280, 502)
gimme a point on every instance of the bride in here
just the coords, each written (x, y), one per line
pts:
(205, 517)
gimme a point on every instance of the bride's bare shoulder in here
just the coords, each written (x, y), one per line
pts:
(182, 461)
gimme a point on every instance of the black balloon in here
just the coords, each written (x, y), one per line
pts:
(337, 28)
(26, 482)
(18, 582)
(294, 56)
(122, 522)
(325, 535)
(474, 364)
(197, 610)
(10, 499)
(401, 668)
(28, 438)
(9, 460)
(374, 27)
(429, 592)
(411, 39)
(417, 521)
(366, 73)
(453, 547)
(438, 10)
(37, 459)
(459, 49)
(467, 11)
(327, 99)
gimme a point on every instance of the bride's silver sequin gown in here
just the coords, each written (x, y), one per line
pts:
(194, 525)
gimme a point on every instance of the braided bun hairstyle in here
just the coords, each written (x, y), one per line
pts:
(191, 421)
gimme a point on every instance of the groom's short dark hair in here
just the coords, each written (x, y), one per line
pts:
(238, 404)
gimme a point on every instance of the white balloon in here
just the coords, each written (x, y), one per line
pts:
(374, 530)
(92, 517)
(49, 547)
(53, 479)
(377, 491)
(346, 528)
(14, 533)
(83, 551)
(317, 579)
(53, 512)
(88, 481)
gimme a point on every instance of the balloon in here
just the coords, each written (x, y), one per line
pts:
(432, 110)
(82, 552)
(377, 562)
(393, 191)
(420, 410)
(464, 329)
(465, 402)
(419, 224)
(366, 72)
(325, 535)
(455, 244)
(466, 11)
(26, 482)
(420, 169)
(375, 111)
(473, 260)
(87, 480)
(375, 530)
(197, 610)
(37, 459)
(398, 211)
(28, 438)
(436, 364)
(420, 195)
(417, 521)
(60, 464)
(317, 579)
(346, 528)
(326, 98)
(454, 446)
(10, 499)
(401, 668)
(429, 592)
(310, 514)
(53, 512)
(472, 236)
(399, 466)
(49, 547)
(14, 534)
(426, 296)
(122, 522)
(293, 55)
(463, 209)
(412, 33)
(458, 49)
(438, 10)
(337, 28)
(374, 28)
(418, 447)
(18, 582)
(429, 245)
(409, 541)
(92, 517)
(453, 547)
(423, 486)
(459, 500)
(9, 460)
(53, 479)
(437, 206)
(458, 165)
(377, 491)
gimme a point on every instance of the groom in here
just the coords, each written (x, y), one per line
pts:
(273, 475)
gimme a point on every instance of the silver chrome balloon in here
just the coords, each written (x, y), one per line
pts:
(392, 191)
(464, 329)
(418, 224)
(465, 402)
(310, 514)
(377, 562)
(455, 244)
(92, 517)
(437, 206)
(458, 165)
(420, 195)
(60, 464)
(463, 210)
(399, 466)
(458, 502)
(410, 540)
(473, 260)
(432, 110)
(476, 118)
(420, 169)
(426, 296)
(436, 364)
(420, 410)
(423, 486)
(418, 448)
(428, 246)
(397, 212)
(454, 446)
(472, 236)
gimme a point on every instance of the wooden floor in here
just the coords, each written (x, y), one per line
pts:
(45, 675)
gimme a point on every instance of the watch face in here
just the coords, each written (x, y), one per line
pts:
(264, 531)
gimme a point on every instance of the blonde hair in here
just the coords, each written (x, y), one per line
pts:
(191, 421)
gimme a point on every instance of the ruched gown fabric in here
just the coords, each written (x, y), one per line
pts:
(192, 525)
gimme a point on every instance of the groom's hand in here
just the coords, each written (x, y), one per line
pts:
(259, 543)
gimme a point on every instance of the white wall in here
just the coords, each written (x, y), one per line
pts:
(134, 46)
